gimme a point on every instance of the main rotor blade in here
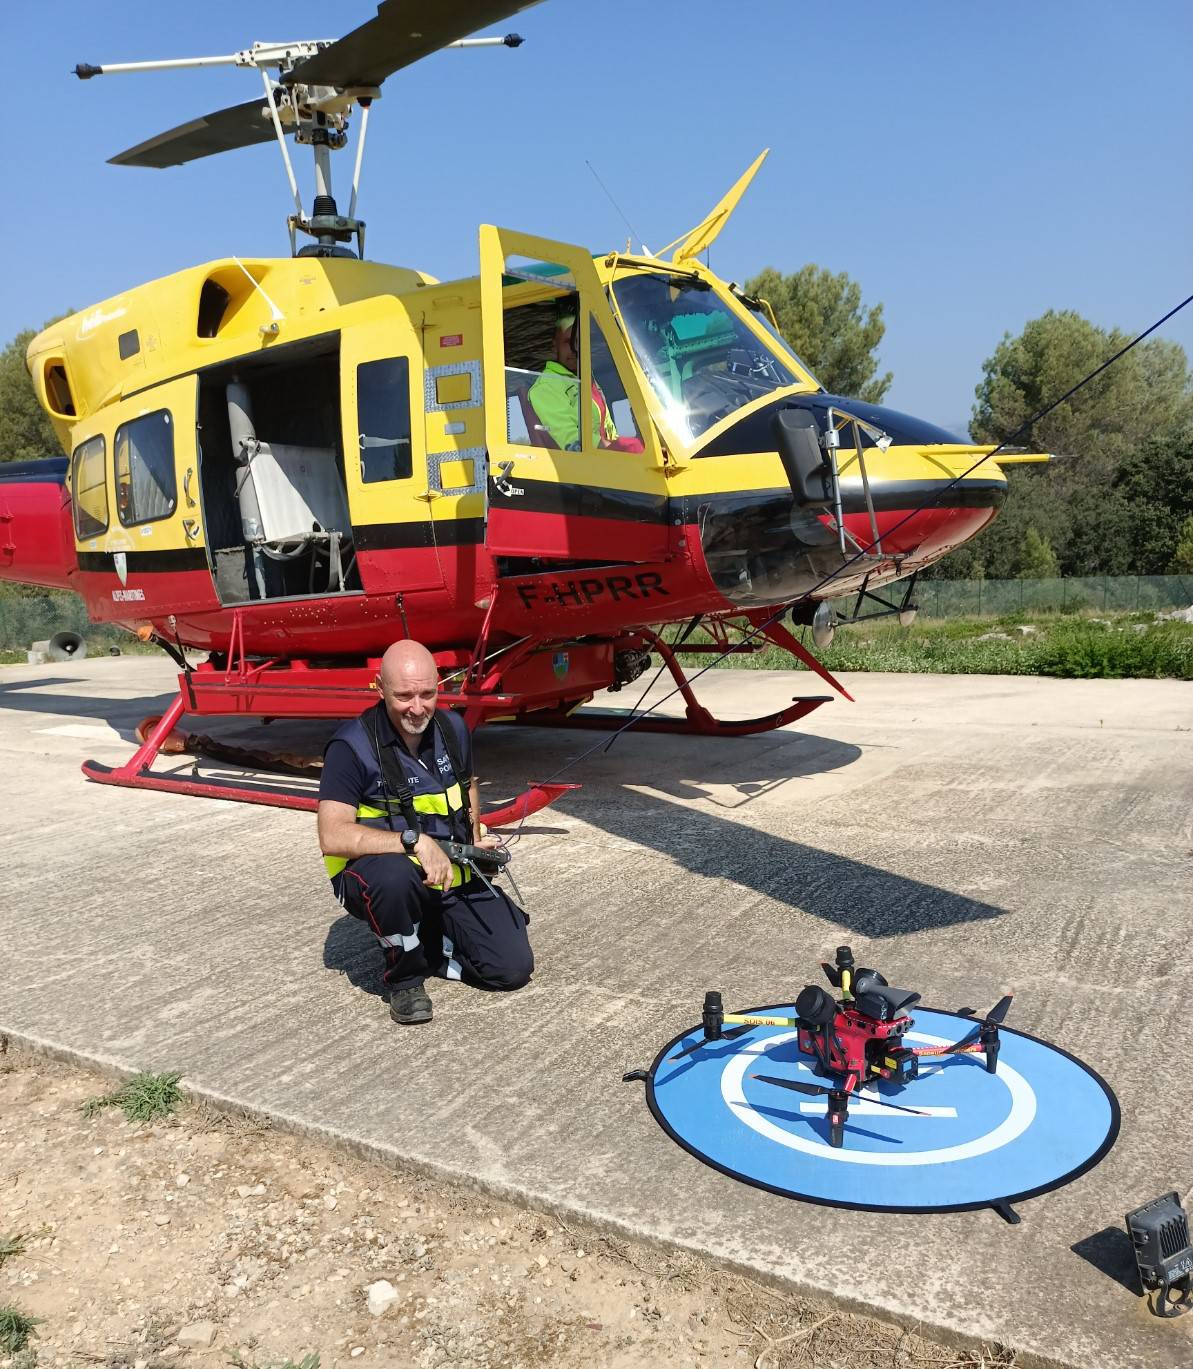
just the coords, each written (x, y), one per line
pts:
(239, 126)
(712, 1040)
(401, 32)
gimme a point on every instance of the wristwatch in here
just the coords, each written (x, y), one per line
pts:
(410, 840)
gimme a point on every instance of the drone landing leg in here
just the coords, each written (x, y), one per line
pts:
(838, 1111)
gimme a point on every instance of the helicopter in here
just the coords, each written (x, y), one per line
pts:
(856, 1039)
(287, 463)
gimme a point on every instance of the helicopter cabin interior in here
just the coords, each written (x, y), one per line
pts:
(272, 470)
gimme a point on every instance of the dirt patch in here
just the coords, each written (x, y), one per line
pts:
(209, 1239)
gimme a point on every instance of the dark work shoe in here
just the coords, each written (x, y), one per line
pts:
(410, 1006)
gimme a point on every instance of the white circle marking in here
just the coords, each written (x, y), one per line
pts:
(1023, 1110)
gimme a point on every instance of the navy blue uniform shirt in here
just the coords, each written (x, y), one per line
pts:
(344, 779)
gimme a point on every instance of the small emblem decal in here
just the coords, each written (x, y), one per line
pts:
(559, 663)
(120, 562)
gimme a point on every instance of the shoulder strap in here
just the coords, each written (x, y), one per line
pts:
(393, 782)
(455, 758)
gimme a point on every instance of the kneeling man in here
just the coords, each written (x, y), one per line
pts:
(397, 781)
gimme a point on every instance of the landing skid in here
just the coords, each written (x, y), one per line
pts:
(137, 773)
(698, 722)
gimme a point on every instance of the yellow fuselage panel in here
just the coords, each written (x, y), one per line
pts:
(202, 315)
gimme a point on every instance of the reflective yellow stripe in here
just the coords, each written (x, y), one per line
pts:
(441, 804)
(334, 864)
(449, 801)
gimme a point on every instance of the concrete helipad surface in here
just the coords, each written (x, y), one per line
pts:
(969, 835)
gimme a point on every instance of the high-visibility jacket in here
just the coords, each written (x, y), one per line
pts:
(437, 797)
(554, 396)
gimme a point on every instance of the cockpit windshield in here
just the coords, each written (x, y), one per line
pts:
(700, 358)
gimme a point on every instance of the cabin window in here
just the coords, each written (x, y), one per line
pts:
(383, 412)
(146, 485)
(89, 488)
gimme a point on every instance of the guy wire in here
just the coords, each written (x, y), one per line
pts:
(927, 504)
(612, 201)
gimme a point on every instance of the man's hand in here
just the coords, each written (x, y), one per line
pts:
(437, 869)
(488, 841)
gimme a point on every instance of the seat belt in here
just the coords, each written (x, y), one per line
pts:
(455, 759)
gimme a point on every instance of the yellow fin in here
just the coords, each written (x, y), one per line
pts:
(703, 234)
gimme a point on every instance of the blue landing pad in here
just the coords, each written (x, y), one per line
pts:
(987, 1139)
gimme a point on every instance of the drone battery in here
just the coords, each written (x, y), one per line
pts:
(902, 1063)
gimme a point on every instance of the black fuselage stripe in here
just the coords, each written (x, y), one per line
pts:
(145, 562)
(446, 532)
(577, 501)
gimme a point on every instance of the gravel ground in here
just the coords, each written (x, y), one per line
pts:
(207, 1238)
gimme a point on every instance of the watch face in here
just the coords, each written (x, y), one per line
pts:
(409, 839)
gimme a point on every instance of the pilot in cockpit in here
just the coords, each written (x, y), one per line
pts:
(554, 396)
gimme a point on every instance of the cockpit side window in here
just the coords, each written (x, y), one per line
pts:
(542, 388)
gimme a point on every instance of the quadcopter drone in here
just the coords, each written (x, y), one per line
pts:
(854, 1039)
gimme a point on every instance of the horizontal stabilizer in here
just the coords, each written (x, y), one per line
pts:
(400, 33)
(239, 126)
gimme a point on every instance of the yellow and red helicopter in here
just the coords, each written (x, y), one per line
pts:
(288, 463)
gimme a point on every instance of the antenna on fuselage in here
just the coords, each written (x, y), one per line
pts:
(312, 96)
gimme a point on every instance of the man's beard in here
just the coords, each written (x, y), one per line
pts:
(416, 728)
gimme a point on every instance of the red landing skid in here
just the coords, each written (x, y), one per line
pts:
(698, 721)
(529, 694)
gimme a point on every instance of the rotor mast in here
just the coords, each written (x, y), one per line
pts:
(317, 83)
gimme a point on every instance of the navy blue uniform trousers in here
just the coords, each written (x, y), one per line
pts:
(468, 933)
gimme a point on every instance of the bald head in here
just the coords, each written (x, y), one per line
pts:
(409, 686)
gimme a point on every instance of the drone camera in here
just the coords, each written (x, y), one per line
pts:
(901, 1065)
(1159, 1231)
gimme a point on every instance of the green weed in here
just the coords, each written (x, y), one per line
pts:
(142, 1098)
(15, 1328)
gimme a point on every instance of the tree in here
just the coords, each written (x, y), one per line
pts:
(821, 315)
(1038, 560)
(1113, 500)
(25, 432)
(1144, 394)
(1182, 558)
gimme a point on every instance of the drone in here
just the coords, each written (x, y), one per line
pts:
(856, 1039)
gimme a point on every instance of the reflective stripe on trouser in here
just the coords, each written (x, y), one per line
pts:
(468, 933)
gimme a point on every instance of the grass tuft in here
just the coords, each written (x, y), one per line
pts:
(142, 1098)
(15, 1328)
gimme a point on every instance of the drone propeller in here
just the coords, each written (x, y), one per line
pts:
(815, 1089)
(712, 1040)
(993, 1019)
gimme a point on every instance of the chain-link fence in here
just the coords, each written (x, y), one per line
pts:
(1099, 593)
(31, 616)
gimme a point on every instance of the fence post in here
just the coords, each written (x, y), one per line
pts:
(979, 598)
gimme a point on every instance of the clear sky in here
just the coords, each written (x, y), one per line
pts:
(970, 164)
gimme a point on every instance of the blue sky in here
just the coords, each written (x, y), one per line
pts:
(969, 164)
